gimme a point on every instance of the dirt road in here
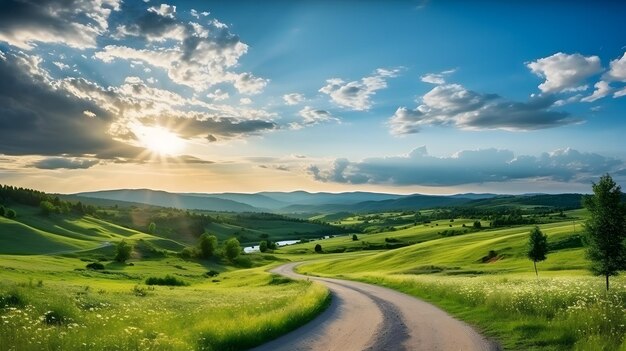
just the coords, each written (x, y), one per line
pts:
(368, 317)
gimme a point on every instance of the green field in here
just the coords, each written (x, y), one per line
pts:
(564, 308)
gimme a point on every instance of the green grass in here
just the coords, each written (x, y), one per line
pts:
(564, 309)
(76, 309)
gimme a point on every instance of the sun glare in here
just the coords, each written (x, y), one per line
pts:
(159, 140)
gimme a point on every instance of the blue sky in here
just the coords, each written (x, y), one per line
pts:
(403, 96)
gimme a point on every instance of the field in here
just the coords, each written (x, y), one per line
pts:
(564, 308)
(53, 303)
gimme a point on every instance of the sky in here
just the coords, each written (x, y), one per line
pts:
(434, 97)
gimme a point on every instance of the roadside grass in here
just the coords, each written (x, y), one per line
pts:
(525, 313)
(564, 309)
(60, 306)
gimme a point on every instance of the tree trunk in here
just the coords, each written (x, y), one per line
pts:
(537, 273)
(607, 282)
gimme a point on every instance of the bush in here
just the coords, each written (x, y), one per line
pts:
(212, 273)
(318, 248)
(355, 238)
(208, 244)
(12, 299)
(263, 246)
(97, 266)
(189, 252)
(168, 280)
(47, 208)
(10, 213)
(243, 261)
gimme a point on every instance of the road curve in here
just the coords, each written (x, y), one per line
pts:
(369, 317)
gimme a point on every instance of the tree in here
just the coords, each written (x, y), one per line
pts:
(477, 225)
(152, 228)
(232, 249)
(2, 211)
(208, 245)
(606, 228)
(263, 246)
(537, 247)
(47, 207)
(355, 238)
(10, 213)
(318, 248)
(122, 251)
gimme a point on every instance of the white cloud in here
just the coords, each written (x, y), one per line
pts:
(602, 89)
(356, 95)
(293, 98)
(71, 22)
(204, 56)
(453, 105)
(164, 10)
(468, 167)
(61, 65)
(618, 69)
(218, 95)
(436, 78)
(563, 72)
(620, 93)
(311, 116)
(245, 101)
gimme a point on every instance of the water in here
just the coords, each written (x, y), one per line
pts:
(255, 248)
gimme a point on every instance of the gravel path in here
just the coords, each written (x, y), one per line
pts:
(369, 317)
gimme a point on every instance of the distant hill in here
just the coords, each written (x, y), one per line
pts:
(259, 201)
(306, 198)
(165, 199)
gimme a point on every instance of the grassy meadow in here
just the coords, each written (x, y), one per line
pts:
(564, 308)
(53, 303)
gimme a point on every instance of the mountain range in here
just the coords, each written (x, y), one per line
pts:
(321, 203)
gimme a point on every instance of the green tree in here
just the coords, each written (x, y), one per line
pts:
(318, 248)
(537, 247)
(606, 228)
(2, 211)
(477, 225)
(263, 246)
(10, 213)
(232, 249)
(208, 245)
(47, 207)
(152, 228)
(354, 237)
(123, 251)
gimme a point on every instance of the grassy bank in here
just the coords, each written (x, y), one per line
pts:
(61, 308)
(564, 309)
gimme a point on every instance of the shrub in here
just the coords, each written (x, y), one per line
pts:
(212, 273)
(355, 238)
(12, 299)
(10, 213)
(243, 261)
(189, 252)
(95, 266)
(208, 244)
(318, 248)
(263, 246)
(168, 280)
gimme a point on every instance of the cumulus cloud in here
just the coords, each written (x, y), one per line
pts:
(311, 116)
(293, 98)
(564, 72)
(75, 23)
(38, 118)
(468, 167)
(218, 95)
(602, 89)
(356, 95)
(203, 54)
(617, 71)
(436, 78)
(454, 105)
(64, 163)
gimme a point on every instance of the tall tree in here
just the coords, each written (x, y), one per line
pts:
(606, 228)
(152, 228)
(232, 249)
(123, 251)
(537, 247)
(208, 245)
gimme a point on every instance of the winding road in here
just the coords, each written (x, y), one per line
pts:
(369, 317)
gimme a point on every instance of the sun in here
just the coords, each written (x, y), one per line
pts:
(159, 140)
